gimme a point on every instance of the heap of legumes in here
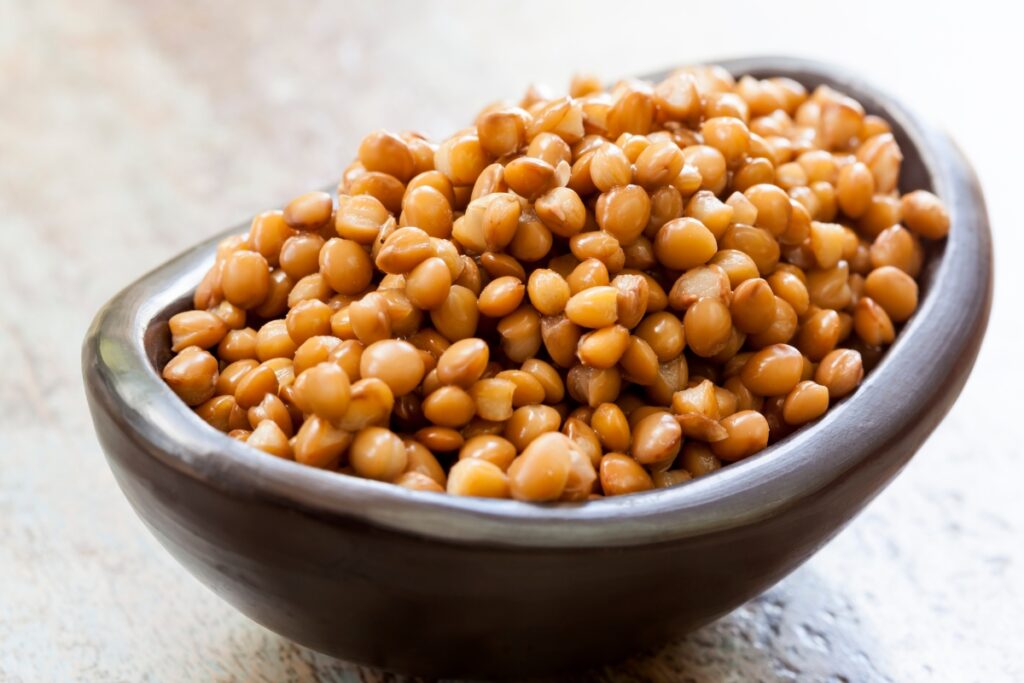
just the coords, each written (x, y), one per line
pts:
(574, 297)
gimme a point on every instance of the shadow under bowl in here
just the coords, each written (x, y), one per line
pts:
(445, 586)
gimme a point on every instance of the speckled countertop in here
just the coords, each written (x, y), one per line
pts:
(129, 131)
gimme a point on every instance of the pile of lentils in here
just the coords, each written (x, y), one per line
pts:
(575, 297)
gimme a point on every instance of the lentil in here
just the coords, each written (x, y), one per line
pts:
(320, 444)
(395, 362)
(479, 478)
(621, 474)
(196, 328)
(925, 214)
(708, 326)
(192, 374)
(377, 453)
(893, 290)
(805, 402)
(656, 438)
(269, 438)
(541, 472)
(492, 448)
(309, 211)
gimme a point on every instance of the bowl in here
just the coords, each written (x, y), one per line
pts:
(439, 585)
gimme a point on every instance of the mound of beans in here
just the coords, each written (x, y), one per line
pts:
(574, 297)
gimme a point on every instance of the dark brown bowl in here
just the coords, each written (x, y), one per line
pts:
(446, 586)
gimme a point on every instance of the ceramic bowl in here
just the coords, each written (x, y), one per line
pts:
(445, 586)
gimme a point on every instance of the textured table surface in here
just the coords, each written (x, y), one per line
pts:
(130, 130)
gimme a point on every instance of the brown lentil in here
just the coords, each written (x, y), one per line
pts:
(896, 246)
(623, 212)
(377, 453)
(736, 264)
(639, 362)
(318, 443)
(312, 286)
(300, 255)
(395, 362)
(520, 334)
(192, 374)
(592, 272)
(807, 401)
(541, 472)
(439, 439)
(593, 307)
(245, 278)
(611, 427)
(228, 378)
(872, 323)
(418, 482)
(708, 326)
(254, 385)
(386, 152)
(577, 429)
(548, 291)
(604, 347)
(309, 318)
(477, 477)
(620, 474)
(529, 422)
(819, 334)
(561, 338)
(196, 328)
(664, 333)
(893, 290)
(457, 317)
(791, 287)
(362, 217)
(753, 306)
(773, 370)
(271, 408)
(698, 459)
(222, 412)
(656, 439)
(699, 398)
(309, 211)
(490, 447)
(684, 243)
(747, 434)
(419, 459)
(757, 243)
(925, 214)
(325, 390)
(671, 478)
(854, 189)
(370, 403)
(840, 371)
(463, 362)
(493, 398)
(428, 284)
(269, 438)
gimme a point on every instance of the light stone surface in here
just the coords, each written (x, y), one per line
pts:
(130, 130)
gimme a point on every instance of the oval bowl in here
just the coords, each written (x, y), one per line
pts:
(444, 586)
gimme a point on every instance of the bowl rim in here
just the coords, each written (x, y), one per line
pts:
(945, 332)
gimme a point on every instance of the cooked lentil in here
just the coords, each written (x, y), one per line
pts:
(577, 297)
